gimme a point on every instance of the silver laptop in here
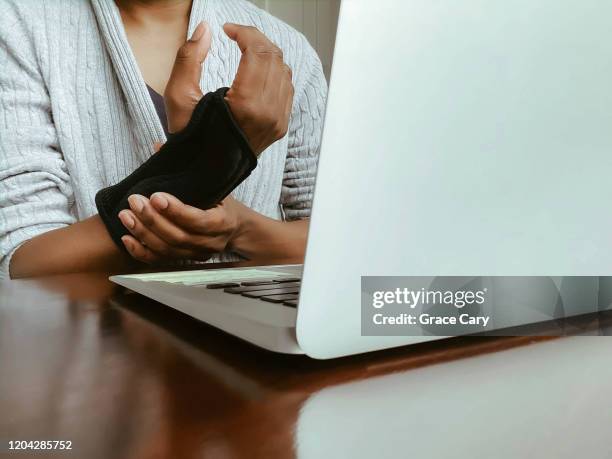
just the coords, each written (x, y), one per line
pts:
(465, 138)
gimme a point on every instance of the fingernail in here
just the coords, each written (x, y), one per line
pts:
(136, 202)
(127, 243)
(160, 201)
(198, 32)
(126, 219)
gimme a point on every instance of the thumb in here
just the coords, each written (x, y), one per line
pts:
(231, 30)
(245, 36)
(183, 89)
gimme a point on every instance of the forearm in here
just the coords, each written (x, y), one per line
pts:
(270, 241)
(82, 246)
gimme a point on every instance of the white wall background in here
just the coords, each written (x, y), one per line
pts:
(316, 19)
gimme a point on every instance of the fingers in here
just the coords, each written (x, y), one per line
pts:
(207, 229)
(167, 230)
(183, 89)
(261, 95)
(157, 146)
(142, 234)
(258, 53)
(164, 227)
(143, 223)
(139, 251)
(183, 215)
(249, 37)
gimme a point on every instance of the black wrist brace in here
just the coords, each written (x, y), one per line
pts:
(200, 165)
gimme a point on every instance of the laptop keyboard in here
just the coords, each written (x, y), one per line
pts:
(281, 291)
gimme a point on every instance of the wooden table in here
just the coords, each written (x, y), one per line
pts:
(124, 377)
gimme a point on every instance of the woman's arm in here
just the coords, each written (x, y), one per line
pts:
(36, 194)
(82, 246)
(268, 241)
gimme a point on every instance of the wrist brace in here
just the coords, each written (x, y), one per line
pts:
(200, 165)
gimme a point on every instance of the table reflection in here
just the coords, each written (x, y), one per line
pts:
(547, 400)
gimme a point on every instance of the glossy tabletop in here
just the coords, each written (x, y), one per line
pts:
(121, 376)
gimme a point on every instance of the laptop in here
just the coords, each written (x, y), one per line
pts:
(463, 138)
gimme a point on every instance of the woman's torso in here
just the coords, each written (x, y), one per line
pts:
(105, 119)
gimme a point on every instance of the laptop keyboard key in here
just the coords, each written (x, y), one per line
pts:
(277, 291)
(255, 283)
(222, 285)
(243, 289)
(287, 279)
(280, 298)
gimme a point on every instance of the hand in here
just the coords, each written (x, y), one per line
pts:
(261, 95)
(165, 228)
(183, 92)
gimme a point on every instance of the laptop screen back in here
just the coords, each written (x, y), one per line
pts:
(462, 138)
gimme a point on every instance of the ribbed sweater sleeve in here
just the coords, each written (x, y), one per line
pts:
(305, 129)
(35, 191)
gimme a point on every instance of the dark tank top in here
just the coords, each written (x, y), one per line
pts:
(160, 108)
